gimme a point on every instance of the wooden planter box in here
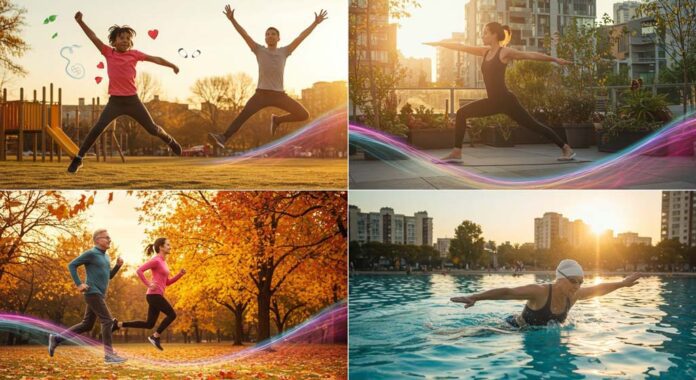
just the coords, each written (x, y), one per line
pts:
(493, 136)
(431, 138)
(579, 135)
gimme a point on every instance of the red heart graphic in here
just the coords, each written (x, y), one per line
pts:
(100, 65)
(153, 33)
(98, 79)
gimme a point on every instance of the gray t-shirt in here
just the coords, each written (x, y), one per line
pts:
(271, 67)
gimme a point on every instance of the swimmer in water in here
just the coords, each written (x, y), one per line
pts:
(549, 302)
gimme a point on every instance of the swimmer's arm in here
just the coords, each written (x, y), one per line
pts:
(526, 292)
(475, 50)
(604, 289)
(318, 18)
(162, 62)
(89, 32)
(229, 13)
(533, 56)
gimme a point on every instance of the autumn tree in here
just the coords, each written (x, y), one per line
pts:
(12, 46)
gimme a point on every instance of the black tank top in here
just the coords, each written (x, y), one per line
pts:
(494, 75)
(542, 316)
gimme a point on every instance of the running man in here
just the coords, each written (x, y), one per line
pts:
(549, 302)
(97, 264)
(269, 91)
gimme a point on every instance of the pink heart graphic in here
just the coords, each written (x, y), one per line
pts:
(100, 65)
(153, 33)
(98, 79)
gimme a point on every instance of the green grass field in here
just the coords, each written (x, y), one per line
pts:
(177, 173)
(306, 361)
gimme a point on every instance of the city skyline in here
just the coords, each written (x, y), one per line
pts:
(620, 211)
(451, 18)
(222, 49)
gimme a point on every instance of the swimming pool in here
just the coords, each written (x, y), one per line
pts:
(406, 327)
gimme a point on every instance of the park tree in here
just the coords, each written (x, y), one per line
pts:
(467, 245)
(12, 46)
(216, 94)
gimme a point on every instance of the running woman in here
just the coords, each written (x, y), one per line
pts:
(97, 267)
(121, 60)
(269, 91)
(549, 302)
(500, 100)
(155, 291)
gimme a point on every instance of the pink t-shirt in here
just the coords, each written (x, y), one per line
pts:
(121, 70)
(160, 274)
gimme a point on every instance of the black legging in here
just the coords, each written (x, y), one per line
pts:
(123, 105)
(157, 303)
(508, 105)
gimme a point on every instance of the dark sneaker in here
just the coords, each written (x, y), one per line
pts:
(52, 344)
(155, 342)
(75, 165)
(115, 327)
(219, 140)
(175, 147)
(274, 126)
(113, 359)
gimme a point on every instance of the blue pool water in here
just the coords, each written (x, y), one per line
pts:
(406, 327)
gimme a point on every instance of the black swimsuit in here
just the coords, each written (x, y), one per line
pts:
(542, 316)
(499, 100)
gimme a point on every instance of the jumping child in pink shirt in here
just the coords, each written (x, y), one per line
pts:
(155, 292)
(120, 63)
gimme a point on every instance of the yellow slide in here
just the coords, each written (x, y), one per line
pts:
(63, 141)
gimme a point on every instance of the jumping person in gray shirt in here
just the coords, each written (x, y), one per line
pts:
(269, 91)
(97, 266)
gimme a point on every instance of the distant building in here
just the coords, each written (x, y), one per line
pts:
(442, 246)
(449, 63)
(554, 227)
(678, 212)
(632, 238)
(625, 11)
(387, 227)
(419, 72)
(637, 50)
(323, 97)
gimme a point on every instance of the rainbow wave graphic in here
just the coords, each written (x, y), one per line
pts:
(618, 170)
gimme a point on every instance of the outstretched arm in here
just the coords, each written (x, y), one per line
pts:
(93, 37)
(229, 12)
(534, 56)
(318, 18)
(603, 289)
(520, 293)
(475, 50)
(163, 62)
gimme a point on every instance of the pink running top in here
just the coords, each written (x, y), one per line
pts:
(160, 274)
(121, 70)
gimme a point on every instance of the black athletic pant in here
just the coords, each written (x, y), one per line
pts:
(268, 98)
(96, 308)
(508, 105)
(123, 105)
(157, 303)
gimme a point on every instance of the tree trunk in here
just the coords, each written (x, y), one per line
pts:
(238, 325)
(264, 310)
(370, 69)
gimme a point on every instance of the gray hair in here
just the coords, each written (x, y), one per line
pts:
(97, 233)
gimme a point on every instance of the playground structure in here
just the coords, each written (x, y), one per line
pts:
(43, 120)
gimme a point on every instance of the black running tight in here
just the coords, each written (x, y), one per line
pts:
(123, 105)
(157, 303)
(508, 105)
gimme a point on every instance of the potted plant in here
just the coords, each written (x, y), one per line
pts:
(427, 130)
(497, 130)
(579, 130)
(641, 115)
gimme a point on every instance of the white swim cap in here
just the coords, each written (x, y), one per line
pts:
(570, 268)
